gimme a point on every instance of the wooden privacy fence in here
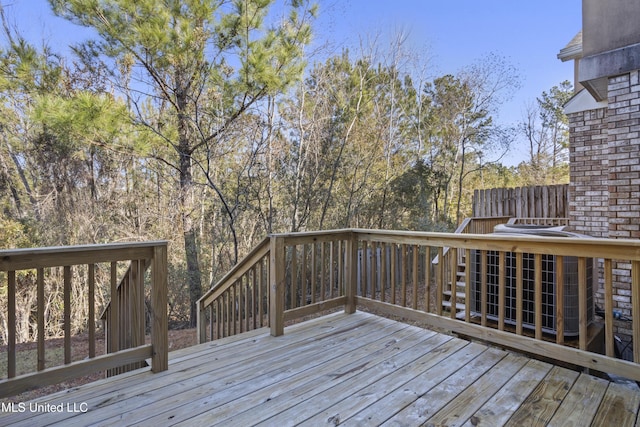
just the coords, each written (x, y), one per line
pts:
(510, 300)
(550, 201)
(125, 317)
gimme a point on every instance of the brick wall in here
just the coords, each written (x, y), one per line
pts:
(588, 188)
(624, 174)
(624, 156)
(604, 198)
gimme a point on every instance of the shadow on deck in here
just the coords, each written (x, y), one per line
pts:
(348, 369)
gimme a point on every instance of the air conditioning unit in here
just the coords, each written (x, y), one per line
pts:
(549, 279)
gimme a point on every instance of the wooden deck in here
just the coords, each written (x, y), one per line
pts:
(355, 370)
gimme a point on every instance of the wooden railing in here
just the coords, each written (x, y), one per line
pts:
(468, 226)
(508, 302)
(239, 301)
(125, 308)
(123, 319)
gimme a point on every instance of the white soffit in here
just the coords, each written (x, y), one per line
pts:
(583, 101)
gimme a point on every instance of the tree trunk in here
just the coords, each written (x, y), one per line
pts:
(186, 199)
(194, 282)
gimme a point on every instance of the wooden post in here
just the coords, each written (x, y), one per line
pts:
(351, 273)
(159, 321)
(201, 323)
(276, 286)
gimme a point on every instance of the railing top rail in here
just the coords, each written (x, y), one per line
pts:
(627, 249)
(314, 236)
(20, 259)
(240, 268)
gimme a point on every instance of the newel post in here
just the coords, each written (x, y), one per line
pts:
(276, 285)
(351, 273)
(159, 320)
(201, 318)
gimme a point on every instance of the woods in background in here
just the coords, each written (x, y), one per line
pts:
(206, 124)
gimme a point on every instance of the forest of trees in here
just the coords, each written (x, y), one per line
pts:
(206, 123)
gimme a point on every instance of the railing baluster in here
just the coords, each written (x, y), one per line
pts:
(91, 322)
(137, 324)
(219, 318)
(415, 277)
(582, 302)
(427, 279)
(41, 331)
(314, 271)
(439, 280)
(351, 273)
(254, 296)
(228, 312)
(11, 318)
(453, 257)
(483, 287)
(341, 255)
(635, 303)
(403, 271)
(383, 272)
(247, 297)
(293, 289)
(467, 287)
(559, 288)
(608, 308)
(244, 291)
(373, 270)
(502, 289)
(210, 311)
(261, 291)
(538, 295)
(519, 292)
(266, 287)
(331, 275)
(323, 272)
(236, 308)
(394, 259)
(67, 314)
(364, 271)
(115, 311)
(304, 287)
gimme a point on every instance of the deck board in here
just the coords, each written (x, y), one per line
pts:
(500, 407)
(356, 369)
(618, 407)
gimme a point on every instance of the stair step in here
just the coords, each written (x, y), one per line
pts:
(458, 294)
(459, 305)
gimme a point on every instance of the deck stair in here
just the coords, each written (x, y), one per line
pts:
(455, 295)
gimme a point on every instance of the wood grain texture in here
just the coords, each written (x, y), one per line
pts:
(348, 369)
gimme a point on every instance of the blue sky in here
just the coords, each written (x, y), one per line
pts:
(452, 33)
(455, 33)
